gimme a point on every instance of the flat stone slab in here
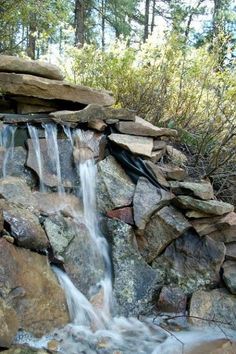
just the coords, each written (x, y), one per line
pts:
(214, 207)
(29, 85)
(136, 144)
(143, 128)
(201, 190)
(33, 67)
(13, 118)
(229, 276)
(173, 172)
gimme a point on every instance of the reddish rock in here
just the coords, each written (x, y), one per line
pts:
(172, 300)
(123, 214)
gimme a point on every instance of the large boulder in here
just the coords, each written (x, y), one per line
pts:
(8, 324)
(164, 226)
(138, 145)
(214, 305)
(136, 284)
(147, 200)
(191, 262)
(29, 85)
(143, 128)
(11, 64)
(30, 287)
(114, 187)
(24, 226)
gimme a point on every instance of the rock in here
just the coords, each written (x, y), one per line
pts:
(59, 233)
(219, 346)
(49, 173)
(230, 251)
(176, 156)
(135, 283)
(147, 200)
(23, 108)
(157, 155)
(29, 285)
(11, 64)
(172, 300)
(8, 324)
(201, 190)
(191, 262)
(41, 118)
(172, 172)
(82, 260)
(91, 112)
(193, 214)
(25, 350)
(137, 145)
(114, 187)
(229, 275)
(97, 124)
(159, 145)
(164, 226)
(29, 85)
(143, 128)
(24, 226)
(124, 214)
(159, 175)
(214, 305)
(214, 207)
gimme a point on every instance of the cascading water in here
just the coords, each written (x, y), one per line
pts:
(7, 142)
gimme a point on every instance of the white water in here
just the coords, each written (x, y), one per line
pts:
(7, 142)
(36, 145)
(53, 153)
(68, 133)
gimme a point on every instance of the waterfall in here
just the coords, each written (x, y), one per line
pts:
(7, 142)
(35, 141)
(53, 153)
(68, 133)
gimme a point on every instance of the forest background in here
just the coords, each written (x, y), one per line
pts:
(172, 61)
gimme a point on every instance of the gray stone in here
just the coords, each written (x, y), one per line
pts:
(177, 157)
(173, 172)
(158, 174)
(229, 275)
(164, 226)
(49, 173)
(29, 85)
(135, 283)
(157, 155)
(147, 200)
(10, 118)
(8, 324)
(24, 226)
(214, 305)
(231, 251)
(201, 190)
(159, 144)
(34, 67)
(172, 299)
(29, 286)
(143, 128)
(136, 144)
(114, 187)
(191, 262)
(214, 207)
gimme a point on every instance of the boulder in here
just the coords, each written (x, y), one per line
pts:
(159, 175)
(215, 305)
(11, 64)
(136, 144)
(191, 262)
(143, 128)
(214, 207)
(97, 124)
(91, 112)
(147, 200)
(12, 118)
(49, 173)
(230, 251)
(24, 226)
(157, 155)
(124, 214)
(8, 324)
(176, 156)
(172, 172)
(114, 187)
(202, 190)
(172, 300)
(30, 287)
(135, 283)
(164, 226)
(29, 85)
(229, 275)
(24, 350)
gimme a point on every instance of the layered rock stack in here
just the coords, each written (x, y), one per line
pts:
(173, 243)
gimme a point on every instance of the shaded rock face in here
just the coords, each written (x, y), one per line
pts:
(164, 226)
(192, 262)
(229, 276)
(135, 283)
(29, 285)
(8, 324)
(68, 173)
(172, 300)
(24, 227)
(114, 187)
(215, 305)
(201, 190)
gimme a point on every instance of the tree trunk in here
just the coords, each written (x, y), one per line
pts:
(103, 12)
(146, 20)
(79, 23)
(31, 45)
(153, 15)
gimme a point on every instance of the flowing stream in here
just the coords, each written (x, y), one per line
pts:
(95, 329)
